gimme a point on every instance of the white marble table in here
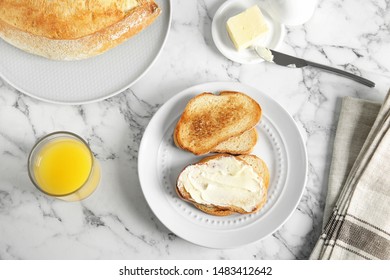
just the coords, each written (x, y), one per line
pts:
(116, 222)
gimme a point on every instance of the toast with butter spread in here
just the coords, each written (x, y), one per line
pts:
(223, 184)
(211, 119)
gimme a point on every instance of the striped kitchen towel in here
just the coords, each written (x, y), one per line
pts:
(357, 211)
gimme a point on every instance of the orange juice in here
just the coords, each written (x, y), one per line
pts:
(64, 166)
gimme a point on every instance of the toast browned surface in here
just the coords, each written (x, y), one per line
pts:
(210, 119)
(67, 29)
(259, 167)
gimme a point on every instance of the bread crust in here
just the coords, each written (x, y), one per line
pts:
(200, 130)
(217, 210)
(72, 45)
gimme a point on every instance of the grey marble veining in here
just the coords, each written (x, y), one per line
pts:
(116, 222)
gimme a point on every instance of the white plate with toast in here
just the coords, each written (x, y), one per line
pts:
(88, 80)
(160, 162)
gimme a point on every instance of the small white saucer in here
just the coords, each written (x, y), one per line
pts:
(221, 37)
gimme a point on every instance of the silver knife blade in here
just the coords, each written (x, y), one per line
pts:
(288, 60)
(295, 62)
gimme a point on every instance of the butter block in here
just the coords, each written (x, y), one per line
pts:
(246, 28)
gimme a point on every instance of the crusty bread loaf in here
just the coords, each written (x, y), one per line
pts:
(238, 145)
(253, 161)
(210, 119)
(68, 30)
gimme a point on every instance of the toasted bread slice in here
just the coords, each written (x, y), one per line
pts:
(238, 145)
(251, 200)
(210, 119)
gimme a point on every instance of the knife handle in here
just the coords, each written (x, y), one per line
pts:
(342, 73)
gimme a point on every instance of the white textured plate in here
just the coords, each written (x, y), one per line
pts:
(160, 162)
(221, 37)
(92, 79)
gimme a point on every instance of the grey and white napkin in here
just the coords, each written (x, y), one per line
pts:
(357, 212)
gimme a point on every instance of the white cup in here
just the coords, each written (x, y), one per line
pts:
(292, 12)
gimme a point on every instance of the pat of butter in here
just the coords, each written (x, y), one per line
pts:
(246, 28)
(224, 181)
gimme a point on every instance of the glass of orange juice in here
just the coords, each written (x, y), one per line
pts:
(62, 165)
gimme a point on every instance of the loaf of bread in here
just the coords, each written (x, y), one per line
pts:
(223, 184)
(210, 123)
(70, 30)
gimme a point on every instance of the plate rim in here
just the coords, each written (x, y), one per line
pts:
(118, 91)
(176, 98)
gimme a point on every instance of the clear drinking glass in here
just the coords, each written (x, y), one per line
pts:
(62, 165)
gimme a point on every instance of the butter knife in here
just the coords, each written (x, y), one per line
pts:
(295, 62)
